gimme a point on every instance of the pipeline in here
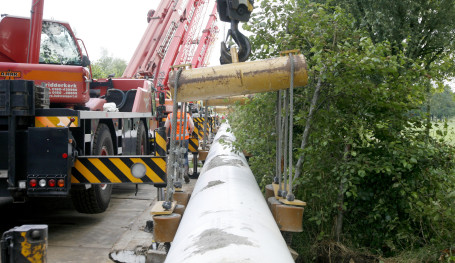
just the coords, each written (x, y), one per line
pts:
(227, 218)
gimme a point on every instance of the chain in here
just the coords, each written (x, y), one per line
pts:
(172, 165)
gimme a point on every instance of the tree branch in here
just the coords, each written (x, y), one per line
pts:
(306, 132)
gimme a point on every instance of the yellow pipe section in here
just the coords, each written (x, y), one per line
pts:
(240, 78)
(223, 110)
(226, 101)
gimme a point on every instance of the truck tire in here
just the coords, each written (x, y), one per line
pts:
(141, 140)
(95, 199)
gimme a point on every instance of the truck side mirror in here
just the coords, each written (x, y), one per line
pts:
(85, 61)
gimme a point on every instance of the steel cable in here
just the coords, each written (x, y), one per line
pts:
(182, 149)
(290, 195)
(204, 140)
(279, 142)
(286, 141)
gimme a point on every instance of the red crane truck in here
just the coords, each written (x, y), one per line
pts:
(61, 132)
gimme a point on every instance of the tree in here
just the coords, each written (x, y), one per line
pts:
(443, 104)
(426, 26)
(363, 139)
(107, 65)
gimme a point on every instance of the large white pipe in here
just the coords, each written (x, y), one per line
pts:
(227, 218)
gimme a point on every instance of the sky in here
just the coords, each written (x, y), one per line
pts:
(115, 25)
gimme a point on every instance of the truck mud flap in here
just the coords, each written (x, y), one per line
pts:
(119, 169)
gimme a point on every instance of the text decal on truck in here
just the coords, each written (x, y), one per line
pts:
(10, 74)
(61, 90)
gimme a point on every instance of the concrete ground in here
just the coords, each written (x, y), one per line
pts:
(75, 237)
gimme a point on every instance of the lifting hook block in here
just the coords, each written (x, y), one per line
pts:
(241, 40)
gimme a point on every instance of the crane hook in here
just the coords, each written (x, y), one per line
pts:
(241, 40)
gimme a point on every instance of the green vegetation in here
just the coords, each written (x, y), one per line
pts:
(442, 105)
(444, 131)
(107, 65)
(378, 187)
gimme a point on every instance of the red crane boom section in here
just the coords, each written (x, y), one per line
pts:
(169, 40)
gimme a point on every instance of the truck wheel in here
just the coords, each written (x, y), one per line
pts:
(96, 199)
(141, 140)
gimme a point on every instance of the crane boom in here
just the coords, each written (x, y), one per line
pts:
(150, 39)
(169, 40)
(205, 41)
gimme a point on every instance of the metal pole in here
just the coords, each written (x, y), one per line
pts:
(160, 194)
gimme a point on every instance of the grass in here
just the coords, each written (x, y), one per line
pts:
(444, 131)
(429, 253)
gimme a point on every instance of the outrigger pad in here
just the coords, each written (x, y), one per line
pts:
(158, 209)
(165, 227)
(296, 202)
(289, 218)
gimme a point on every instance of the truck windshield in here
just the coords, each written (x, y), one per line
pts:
(58, 46)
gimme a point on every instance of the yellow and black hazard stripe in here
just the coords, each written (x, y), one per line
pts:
(199, 122)
(100, 170)
(198, 119)
(193, 145)
(56, 121)
(160, 143)
(200, 131)
(199, 127)
(207, 129)
(212, 123)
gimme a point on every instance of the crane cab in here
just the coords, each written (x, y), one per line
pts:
(62, 68)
